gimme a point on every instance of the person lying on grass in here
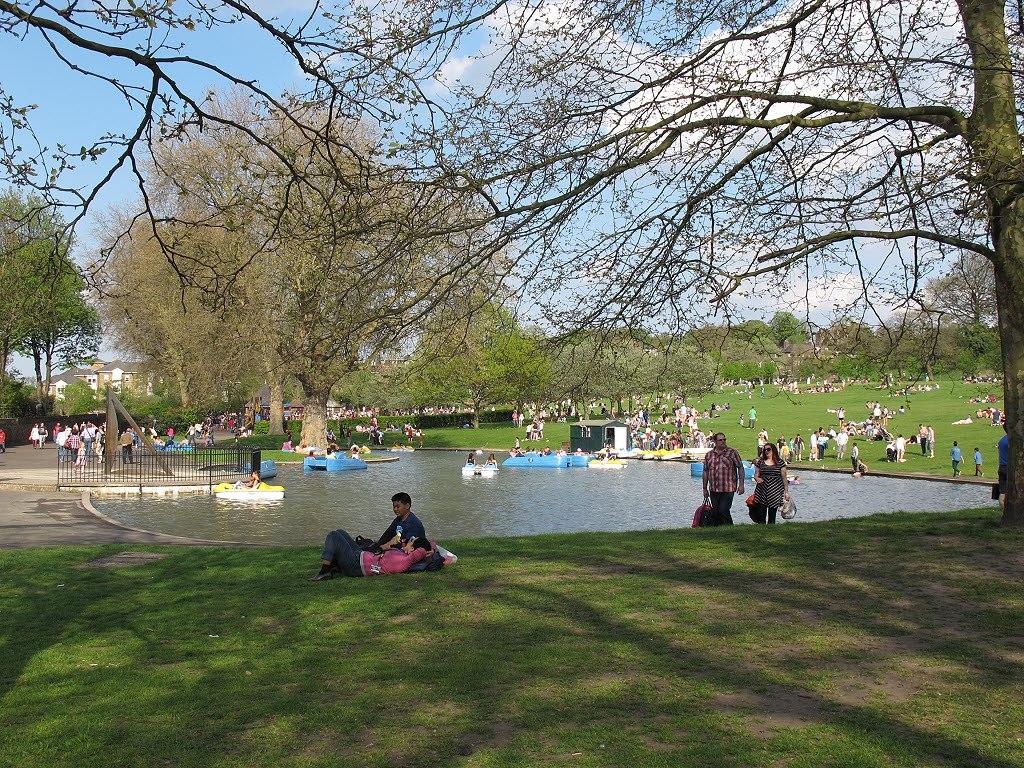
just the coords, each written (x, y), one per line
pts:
(342, 555)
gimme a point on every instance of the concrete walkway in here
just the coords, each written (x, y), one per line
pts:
(24, 468)
(34, 514)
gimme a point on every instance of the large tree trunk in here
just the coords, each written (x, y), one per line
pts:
(5, 358)
(1011, 333)
(314, 417)
(37, 361)
(276, 404)
(183, 393)
(995, 144)
(49, 368)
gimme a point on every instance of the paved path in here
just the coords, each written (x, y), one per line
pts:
(34, 514)
(35, 519)
(25, 468)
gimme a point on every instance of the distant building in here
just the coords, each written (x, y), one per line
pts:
(119, 374)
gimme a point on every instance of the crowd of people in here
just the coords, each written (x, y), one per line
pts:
(84, 441)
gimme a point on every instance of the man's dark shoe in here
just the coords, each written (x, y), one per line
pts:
(322, 576)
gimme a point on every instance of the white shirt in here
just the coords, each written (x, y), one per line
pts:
(900, 444)
(842, 438)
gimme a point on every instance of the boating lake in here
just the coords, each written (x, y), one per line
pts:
(643, 495)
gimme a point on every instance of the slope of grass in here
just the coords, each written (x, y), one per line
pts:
(886, 641)
(784, 414)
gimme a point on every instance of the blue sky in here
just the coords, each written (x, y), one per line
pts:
(76, 110)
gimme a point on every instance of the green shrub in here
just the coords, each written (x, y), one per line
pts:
(271, 442)
(16, 399)
(441, 420)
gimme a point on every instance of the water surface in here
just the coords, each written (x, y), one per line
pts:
(517, 502)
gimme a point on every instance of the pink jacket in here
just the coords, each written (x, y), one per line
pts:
(392, 561)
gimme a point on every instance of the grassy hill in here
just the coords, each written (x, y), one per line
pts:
(785, 414)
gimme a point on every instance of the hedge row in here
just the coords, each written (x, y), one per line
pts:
(261, 439)
(439, 420)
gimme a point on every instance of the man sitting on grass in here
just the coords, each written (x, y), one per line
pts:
(404, 528)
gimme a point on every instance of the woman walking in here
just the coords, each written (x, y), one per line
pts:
(772, 485)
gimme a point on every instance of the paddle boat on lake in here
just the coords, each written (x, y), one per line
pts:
(606, 464)
(534, 460)
(172, 447)
(480, 470)
(261, 492)
(332, 464)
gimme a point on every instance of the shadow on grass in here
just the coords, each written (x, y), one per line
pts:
(593, 649)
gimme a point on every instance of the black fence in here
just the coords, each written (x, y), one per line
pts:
(142, 467)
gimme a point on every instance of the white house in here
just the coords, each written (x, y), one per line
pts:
(120, 374)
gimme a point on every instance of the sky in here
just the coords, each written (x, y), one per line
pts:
(75, 110)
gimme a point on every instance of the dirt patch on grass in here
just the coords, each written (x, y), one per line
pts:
(767, 711)
(270, 624)
(496, 735)
(125, 560)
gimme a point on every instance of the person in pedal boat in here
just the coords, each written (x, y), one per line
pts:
(253, 481)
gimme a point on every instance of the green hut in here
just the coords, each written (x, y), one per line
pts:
(592, 436)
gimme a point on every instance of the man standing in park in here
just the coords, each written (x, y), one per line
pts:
(956, 456)
(61, 442)
(723, 478)
(752, 418)
(127, 446)
(842, 438)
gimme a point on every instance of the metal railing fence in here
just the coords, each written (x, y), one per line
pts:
(143, 467)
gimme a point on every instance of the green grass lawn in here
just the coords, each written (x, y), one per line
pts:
(784, 414)
(888, 641)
